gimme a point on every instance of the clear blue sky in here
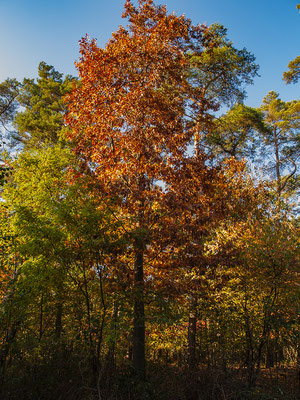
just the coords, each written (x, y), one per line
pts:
(32, 31)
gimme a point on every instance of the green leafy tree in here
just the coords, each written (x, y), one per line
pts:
(10, 315)
(63, 235)
(253, 315)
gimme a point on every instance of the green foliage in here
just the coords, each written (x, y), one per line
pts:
(54, 218)
(281, 141)
(234, 134)
(42, 120)
(62, 234)
(5, 172)
(255, 296)
(222, 71)
(293, 73)
(67, 255)
(9, 90)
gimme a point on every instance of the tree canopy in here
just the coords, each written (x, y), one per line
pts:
(148, 222)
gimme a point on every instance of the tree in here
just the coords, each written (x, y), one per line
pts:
(9, 90)
(221, 72)
(128, 124)
(253, 286)
(63, 238)
(282, 140)
(293, 74)
(234, 133)
(42, 119)
(9, 312)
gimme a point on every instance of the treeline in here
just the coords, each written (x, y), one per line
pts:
(149, 243)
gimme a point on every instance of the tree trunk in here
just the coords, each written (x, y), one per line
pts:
(58, 320)
(10, 335)
(298, 364)
(278, 175)
(112, 344)
(41, 317)
(270, 355)
(192, 329)
(139, 318)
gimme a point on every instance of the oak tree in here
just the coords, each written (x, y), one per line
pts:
(128, 121)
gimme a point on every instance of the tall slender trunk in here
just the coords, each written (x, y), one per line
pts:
(12, 327)
(112, 344)
(192, 324)
(139, 317)
(192, 329)
(58, 319)
(270, 353)
(88, 309)
(10, 335)
(41, 317)
(278, 175)
(103, 316)
(298, 363)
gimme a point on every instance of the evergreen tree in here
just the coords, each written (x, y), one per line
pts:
(41, 118)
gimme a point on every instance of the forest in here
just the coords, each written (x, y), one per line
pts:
(149, 243)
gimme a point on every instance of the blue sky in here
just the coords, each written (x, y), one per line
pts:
(32, 31)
